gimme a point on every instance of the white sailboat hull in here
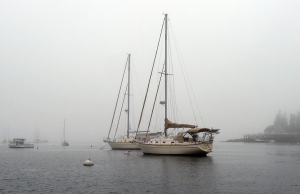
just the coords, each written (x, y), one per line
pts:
(21, 146)
(123, 146)
(178, 149)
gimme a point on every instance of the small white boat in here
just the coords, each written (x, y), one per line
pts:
(88, 162)
(261, 141)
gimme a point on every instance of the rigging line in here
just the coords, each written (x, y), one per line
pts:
(176, 107)
(168, 78)
(159, 59)
(158, 69)
(158, 111)
(149, 79)
(154, 128)
(154, 103)
(186, 85)
(182, 64)
(121, 111)
(160, 94)
(136, 79)
(133, 113)
(123, 125)
(177, 47)
(173, 130)
(132, 78)
(112, 120)
(174, 103)
(172, 89)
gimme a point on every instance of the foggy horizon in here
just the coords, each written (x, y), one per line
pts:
(65, 59)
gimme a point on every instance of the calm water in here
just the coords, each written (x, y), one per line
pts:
(231, 168)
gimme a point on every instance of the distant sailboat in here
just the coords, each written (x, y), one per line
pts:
(37, 136)
(64, 143)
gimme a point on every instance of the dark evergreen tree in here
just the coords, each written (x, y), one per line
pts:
(278, 119)
(298, 123)
(284, 121)
(293, 123)
(281, 120)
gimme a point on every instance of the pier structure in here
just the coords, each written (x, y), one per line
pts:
(278, 137)
(255, 136)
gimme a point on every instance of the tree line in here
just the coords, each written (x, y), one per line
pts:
(291, 125)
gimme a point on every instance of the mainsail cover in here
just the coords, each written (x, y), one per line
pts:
(169, 124)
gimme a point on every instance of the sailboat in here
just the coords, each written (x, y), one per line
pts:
(126, 142)
(64, 143)
(37, 136)
(188, 142)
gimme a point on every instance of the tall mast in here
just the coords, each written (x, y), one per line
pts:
(166, 46)
(128, 93)
(38, 133)
(64, 129)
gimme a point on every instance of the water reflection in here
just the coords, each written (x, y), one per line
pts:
(184, 172)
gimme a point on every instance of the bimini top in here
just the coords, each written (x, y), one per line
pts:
(195, 130)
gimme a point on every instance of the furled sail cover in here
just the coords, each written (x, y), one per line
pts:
(169, 124)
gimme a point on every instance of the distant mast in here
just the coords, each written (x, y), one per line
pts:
(128, 126)
(37, 134)
(64, 129)
(64, 143)
(4, 134)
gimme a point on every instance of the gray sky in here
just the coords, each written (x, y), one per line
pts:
(65, 59)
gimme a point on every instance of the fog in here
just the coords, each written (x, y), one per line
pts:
(65, 59)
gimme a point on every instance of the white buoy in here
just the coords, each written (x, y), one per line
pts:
(88, 163)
